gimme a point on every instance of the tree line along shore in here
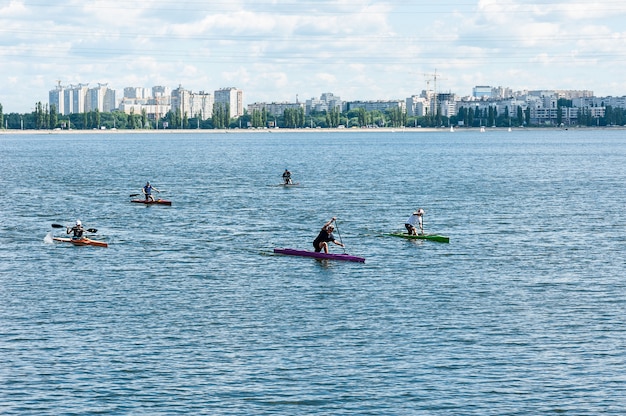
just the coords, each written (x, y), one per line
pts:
(45, 118)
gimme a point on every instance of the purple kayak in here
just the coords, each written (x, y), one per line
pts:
(330, 256)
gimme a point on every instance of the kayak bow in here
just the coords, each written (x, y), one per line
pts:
(84, 241)
(330, 256)
(431, 237)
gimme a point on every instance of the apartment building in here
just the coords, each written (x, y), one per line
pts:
(232, 97)
(80, 98)
(380, 105)
(274, 109)
(100, 98)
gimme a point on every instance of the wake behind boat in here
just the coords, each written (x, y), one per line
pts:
(431, 237)
(320, 255)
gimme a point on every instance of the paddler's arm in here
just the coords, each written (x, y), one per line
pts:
(329, 222)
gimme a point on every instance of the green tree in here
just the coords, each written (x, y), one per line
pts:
(362, 117)
(145, 122)
(54, 116)
(39, 116)
(218, 116)
(132, 122)
(527, 116)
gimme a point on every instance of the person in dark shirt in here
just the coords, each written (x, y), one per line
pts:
(287, 177)
(325, 236)
(77, 230)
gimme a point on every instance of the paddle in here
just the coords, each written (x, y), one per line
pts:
(339, 234)
(132, 195)
(89, 230)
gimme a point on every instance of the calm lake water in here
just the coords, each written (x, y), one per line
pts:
(188, 311)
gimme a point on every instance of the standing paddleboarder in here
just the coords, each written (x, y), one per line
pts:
(287, 177)
(147, 191)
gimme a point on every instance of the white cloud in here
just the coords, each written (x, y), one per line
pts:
(275, 50)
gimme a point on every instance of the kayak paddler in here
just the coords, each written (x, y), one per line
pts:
(77, 230)
(287, 177)
(147, 191)
(325, 236)
(415, 219)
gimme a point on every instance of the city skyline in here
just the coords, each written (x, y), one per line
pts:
(276, 50)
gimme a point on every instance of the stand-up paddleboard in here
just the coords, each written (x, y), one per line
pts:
(287, 185)
(431, 237)
(150, 202)
(329, 256)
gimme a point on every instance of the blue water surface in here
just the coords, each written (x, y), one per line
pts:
(189, 311)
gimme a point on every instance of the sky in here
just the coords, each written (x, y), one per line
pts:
(288, 50)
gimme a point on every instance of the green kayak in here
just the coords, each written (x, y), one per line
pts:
(431, 237)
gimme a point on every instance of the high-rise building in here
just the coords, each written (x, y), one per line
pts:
(482, 91)
(138, 93)
(80, 98)
(56, 98)
(181, 101)
(201, 105)
(233, 97)
(100, 98)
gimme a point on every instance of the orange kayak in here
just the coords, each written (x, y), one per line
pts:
(81, 241)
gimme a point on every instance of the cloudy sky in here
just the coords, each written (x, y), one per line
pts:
(277, 50)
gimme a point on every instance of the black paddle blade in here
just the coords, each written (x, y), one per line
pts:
(132, 195)
(92, 230)
(58, 226)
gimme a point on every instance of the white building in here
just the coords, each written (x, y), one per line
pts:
(100, 98)
(80, 98)
(181, 101)
(56, 98)
(380, 105)
(417, 106)
(138, 93)
(274, 109)
(327, 101)
(232, 97)
(201, 105)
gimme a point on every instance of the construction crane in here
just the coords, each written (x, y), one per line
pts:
(433, 77)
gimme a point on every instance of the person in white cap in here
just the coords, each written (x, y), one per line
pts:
(415, 219)
(78, 230)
